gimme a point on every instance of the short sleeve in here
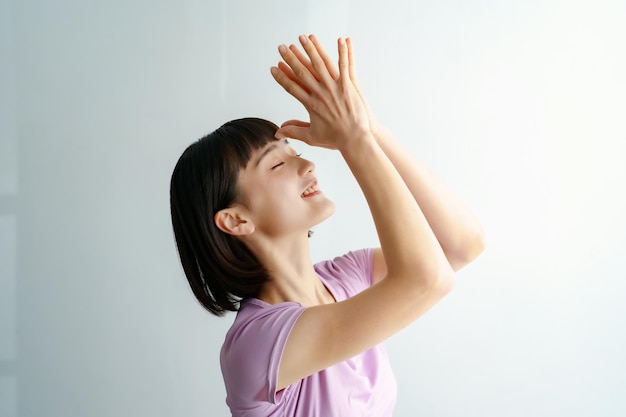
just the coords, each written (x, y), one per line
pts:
(252, 352)
(349, 274)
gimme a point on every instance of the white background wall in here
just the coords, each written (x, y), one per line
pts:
(520, 106)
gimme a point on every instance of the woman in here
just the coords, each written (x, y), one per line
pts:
(307, 338)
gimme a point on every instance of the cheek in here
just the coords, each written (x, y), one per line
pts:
(275, 195)
(267, 199)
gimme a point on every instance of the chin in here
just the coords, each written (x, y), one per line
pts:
(326, 212)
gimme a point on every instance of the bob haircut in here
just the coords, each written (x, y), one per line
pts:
(220, 269)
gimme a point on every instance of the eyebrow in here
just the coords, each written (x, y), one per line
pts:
(268, 150)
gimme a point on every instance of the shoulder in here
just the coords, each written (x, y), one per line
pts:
(253, 347)
(351, 272)
(258, 321)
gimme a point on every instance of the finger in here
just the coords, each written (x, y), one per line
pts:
(294, 132)
(304, 60)
(316, 61)
(351, 62)
(294, 122)
(290, 86)
(344, 70)
(328, 61)
(289, 73)
(300, 71)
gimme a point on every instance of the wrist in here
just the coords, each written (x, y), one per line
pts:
(379, 131)
(358, 146)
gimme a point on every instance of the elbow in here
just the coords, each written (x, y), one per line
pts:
(440, 280)
(423, 288)
(468, 250)
(476, 246)
(445, 282)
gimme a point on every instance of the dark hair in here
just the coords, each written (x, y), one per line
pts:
(220, 269)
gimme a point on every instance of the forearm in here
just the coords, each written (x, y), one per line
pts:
(409, 245)
(457, 230)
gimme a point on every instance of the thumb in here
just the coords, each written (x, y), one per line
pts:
(294, 129)
(294, 132)
(295, 122)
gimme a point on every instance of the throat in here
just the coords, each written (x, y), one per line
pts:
(308, 292)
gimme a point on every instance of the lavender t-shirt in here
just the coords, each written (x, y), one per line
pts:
(360, 386)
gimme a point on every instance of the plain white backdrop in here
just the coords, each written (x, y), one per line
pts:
(519, 106)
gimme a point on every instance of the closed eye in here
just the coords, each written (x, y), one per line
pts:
(291, 151)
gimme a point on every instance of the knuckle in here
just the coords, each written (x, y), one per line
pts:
(289, 87)
(299, 72)
(318, 65)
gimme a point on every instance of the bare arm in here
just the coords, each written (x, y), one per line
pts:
(417, 276)
(457, 230)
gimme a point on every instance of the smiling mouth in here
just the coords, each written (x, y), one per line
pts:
(312, 190)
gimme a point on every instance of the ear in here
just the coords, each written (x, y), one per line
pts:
(233, 220)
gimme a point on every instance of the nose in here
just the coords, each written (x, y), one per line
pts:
(305, 166)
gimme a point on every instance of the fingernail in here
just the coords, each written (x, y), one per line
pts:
(282, 49)
(303, 39)
(274, 70)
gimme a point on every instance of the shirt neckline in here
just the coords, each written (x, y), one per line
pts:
(264, 304)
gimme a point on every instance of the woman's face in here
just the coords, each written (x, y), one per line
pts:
(280, 191)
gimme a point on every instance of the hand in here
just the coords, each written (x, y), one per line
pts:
(376, 128)
(337, 113)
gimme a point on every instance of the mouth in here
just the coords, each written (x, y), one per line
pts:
(311, 190)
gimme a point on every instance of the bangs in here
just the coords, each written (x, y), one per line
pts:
(241, 138)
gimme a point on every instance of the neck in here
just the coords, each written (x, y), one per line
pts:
(292, 276)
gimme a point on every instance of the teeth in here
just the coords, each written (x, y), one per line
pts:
(309, 191)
